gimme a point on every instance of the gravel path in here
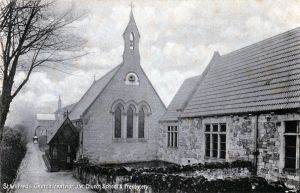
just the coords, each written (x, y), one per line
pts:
(33, 176)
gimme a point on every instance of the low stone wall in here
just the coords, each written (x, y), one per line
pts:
(215, 177)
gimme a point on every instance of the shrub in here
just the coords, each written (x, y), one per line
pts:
(13, 151)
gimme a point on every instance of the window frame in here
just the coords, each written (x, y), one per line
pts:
(141, 123)
(118, 108)
(130, 122)
(172, 136)
(297, 147)
(212, 133)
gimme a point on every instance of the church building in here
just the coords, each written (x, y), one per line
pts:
(117, 119)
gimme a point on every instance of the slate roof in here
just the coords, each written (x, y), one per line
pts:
(181, 97)
(60, 126)
(264, 76)
(95, 89)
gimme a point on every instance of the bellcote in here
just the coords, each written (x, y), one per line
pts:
(131, 37)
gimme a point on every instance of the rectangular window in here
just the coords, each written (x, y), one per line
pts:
(292, 145)
(172, 135)
(215, 140)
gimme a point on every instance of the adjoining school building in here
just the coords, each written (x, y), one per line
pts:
(245, 105)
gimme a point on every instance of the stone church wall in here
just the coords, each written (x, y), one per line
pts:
(99, 143)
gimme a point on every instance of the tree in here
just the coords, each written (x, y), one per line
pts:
(32, 36)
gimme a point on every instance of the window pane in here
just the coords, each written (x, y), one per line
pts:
(223, 146)
(175, 128)
(175, 140)
(215, 145)
(129, 123)
(118, 122)
(207, 128)
(172, 137)
(207, 145)
(223, 127)
(290, 152)
(291, 126)
(141, 123)
(169, 139)
(215, 127)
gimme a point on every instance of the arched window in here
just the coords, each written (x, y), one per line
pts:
(118, 122)
(141, 123)
(129, 123)
(131, 39)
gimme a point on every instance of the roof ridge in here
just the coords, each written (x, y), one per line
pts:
(109, 72)
(153, 87)
(214, 59)
(117, 68)
(249, 80)
(186, 87)
(292, 31)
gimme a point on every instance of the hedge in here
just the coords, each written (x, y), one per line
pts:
(13, 151)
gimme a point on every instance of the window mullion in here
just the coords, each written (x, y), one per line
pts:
(219, 145)
(211, 145)
(298, 152)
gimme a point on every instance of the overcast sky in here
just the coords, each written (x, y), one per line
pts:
(178, 39)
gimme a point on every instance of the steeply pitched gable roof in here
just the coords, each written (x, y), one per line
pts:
(264, 76)
(175, 107)
(61, 126)
(91, 94)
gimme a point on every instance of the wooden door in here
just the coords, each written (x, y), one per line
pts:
(63, 156)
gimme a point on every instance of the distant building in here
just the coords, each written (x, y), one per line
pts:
(245, 105)
(116, 120)
(46, 123)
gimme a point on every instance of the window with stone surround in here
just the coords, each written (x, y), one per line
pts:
(292, 145)
(129, 122)
(172, 136)
(141, 126)
(118, 122)
(215, 140)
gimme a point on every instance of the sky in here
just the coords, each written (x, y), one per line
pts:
(178, 39)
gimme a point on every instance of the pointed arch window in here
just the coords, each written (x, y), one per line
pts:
(118, 122)
(141, 123)
(129, 123)
(131, 40)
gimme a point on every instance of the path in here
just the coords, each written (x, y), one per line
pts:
(33, 176)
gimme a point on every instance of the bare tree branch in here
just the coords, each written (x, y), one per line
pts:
(31, 36)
